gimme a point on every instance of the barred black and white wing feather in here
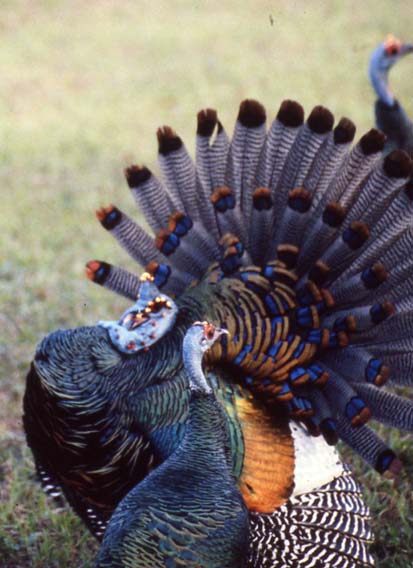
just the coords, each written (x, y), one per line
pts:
(327, 527)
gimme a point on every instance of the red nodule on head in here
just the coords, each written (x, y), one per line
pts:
(392, 45)
(209, 330)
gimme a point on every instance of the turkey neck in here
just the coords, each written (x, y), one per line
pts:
(206, 437)
(193, 366)
(207, 431)
(380, 82)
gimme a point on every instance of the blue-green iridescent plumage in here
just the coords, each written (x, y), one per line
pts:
(189, 511)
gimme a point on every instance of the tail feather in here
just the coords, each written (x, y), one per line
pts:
(320, 235)
(360, 318)
(401, 365)
(371, 448)
(392, 329)
(261, 224)
(244, 153)
(356, 168)
(306, 146)
(275, 150)
(177, 248)
(113, 278)
(358, 365)
(206, 169)
(178, 171)
(397, 289)
(344, 401)
(329, 160)
(227, 212)
(277, 145)
(344, 249)
(398, 253)
(146, 190)
(380, 188)
(395, 221)
(366, 212)
(172, 280)
(388, 408)
(298, 163)
(330, 222)
(389, 348)
(219, 156)
(131, 236)
(207, 123)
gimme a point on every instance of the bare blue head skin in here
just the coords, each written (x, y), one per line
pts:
(144, 323)
(381, 61)
(198, 339)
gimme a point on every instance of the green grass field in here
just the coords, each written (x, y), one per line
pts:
(83, 87)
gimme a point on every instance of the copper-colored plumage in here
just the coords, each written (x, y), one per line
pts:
(267, 478)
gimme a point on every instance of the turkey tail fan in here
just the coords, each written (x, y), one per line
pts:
(315, 227)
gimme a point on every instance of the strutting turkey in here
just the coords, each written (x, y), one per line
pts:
(391, 117)
(189, 511)
(299, 245)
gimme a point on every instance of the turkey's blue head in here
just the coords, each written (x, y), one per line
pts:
(201, 336)
(144, 323)
(381, 61)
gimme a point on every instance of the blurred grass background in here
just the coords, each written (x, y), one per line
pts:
(83, 87)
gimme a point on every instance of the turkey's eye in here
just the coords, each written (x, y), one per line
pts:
(209, 331)
(157, 307)
(392, 50)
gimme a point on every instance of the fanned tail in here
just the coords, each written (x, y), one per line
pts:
(305, 244)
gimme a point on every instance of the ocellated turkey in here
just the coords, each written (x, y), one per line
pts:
(299, 245)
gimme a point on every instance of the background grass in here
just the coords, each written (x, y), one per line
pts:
(83, 87)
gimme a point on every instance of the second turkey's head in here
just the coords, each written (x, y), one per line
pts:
(381, 61)
(199, 338)
(389, 52)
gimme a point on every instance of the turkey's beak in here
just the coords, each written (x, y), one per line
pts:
(406, 48)
(221, 331)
